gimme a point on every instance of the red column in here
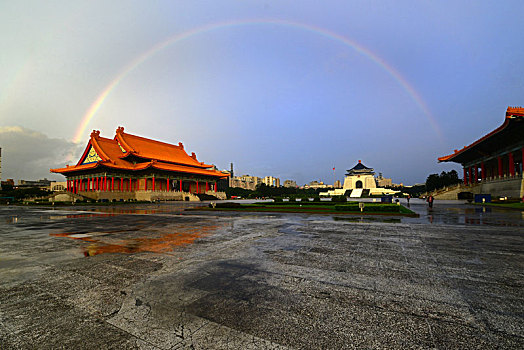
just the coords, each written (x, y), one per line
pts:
(197, 187)
(180, 181)
(511, 164)
(215, 186)
(499, 159)
(153, 183)
(130, 184)
(522, 162)
(482, 171)
(465, 177)
(167, 185)
(121, 184)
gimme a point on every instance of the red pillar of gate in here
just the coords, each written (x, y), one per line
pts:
(465, 177)
(215, 186)
(167, 185)
(153, 183)
(499, 159)
(180, 181)
(511, 164)
(197, 187)
(130, 184)
(121, 184)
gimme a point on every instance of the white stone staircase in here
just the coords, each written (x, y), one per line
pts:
(356, 193)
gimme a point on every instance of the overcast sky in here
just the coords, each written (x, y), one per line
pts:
(283, 88)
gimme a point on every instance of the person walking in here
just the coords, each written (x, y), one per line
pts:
(430, 201)
(409, 197)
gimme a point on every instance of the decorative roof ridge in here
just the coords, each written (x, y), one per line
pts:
(95, 137)
(120, 131)
(510, 111)
(123, 143)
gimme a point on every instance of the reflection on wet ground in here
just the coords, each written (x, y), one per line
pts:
(130, 242)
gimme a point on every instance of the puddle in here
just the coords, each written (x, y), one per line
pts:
(130, 241)
(367, 219)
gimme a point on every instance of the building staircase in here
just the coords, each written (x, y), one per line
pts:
(356, 193)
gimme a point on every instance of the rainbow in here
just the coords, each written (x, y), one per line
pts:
(95, 106)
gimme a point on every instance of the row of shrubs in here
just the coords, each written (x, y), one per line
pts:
(369, 207)
(316, 200)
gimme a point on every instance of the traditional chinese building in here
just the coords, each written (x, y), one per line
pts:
(130, 167)
(493, 163)
(358, 179)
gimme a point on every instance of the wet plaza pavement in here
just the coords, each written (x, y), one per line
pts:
(156, 277)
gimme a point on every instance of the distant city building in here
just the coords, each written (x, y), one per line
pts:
(245, 181)
(290, 183)
(494, 163)
(316, 184)
(383, 182)
(8, 182)
(271, 181)
(42, 184)
(337, 184)
(58, 186)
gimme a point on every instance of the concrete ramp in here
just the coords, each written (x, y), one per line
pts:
(356, 193)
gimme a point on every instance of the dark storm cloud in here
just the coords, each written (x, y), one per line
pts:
(28, 154)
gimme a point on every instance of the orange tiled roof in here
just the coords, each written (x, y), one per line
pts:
(511, 112)
(112, 153)
(151, 149)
